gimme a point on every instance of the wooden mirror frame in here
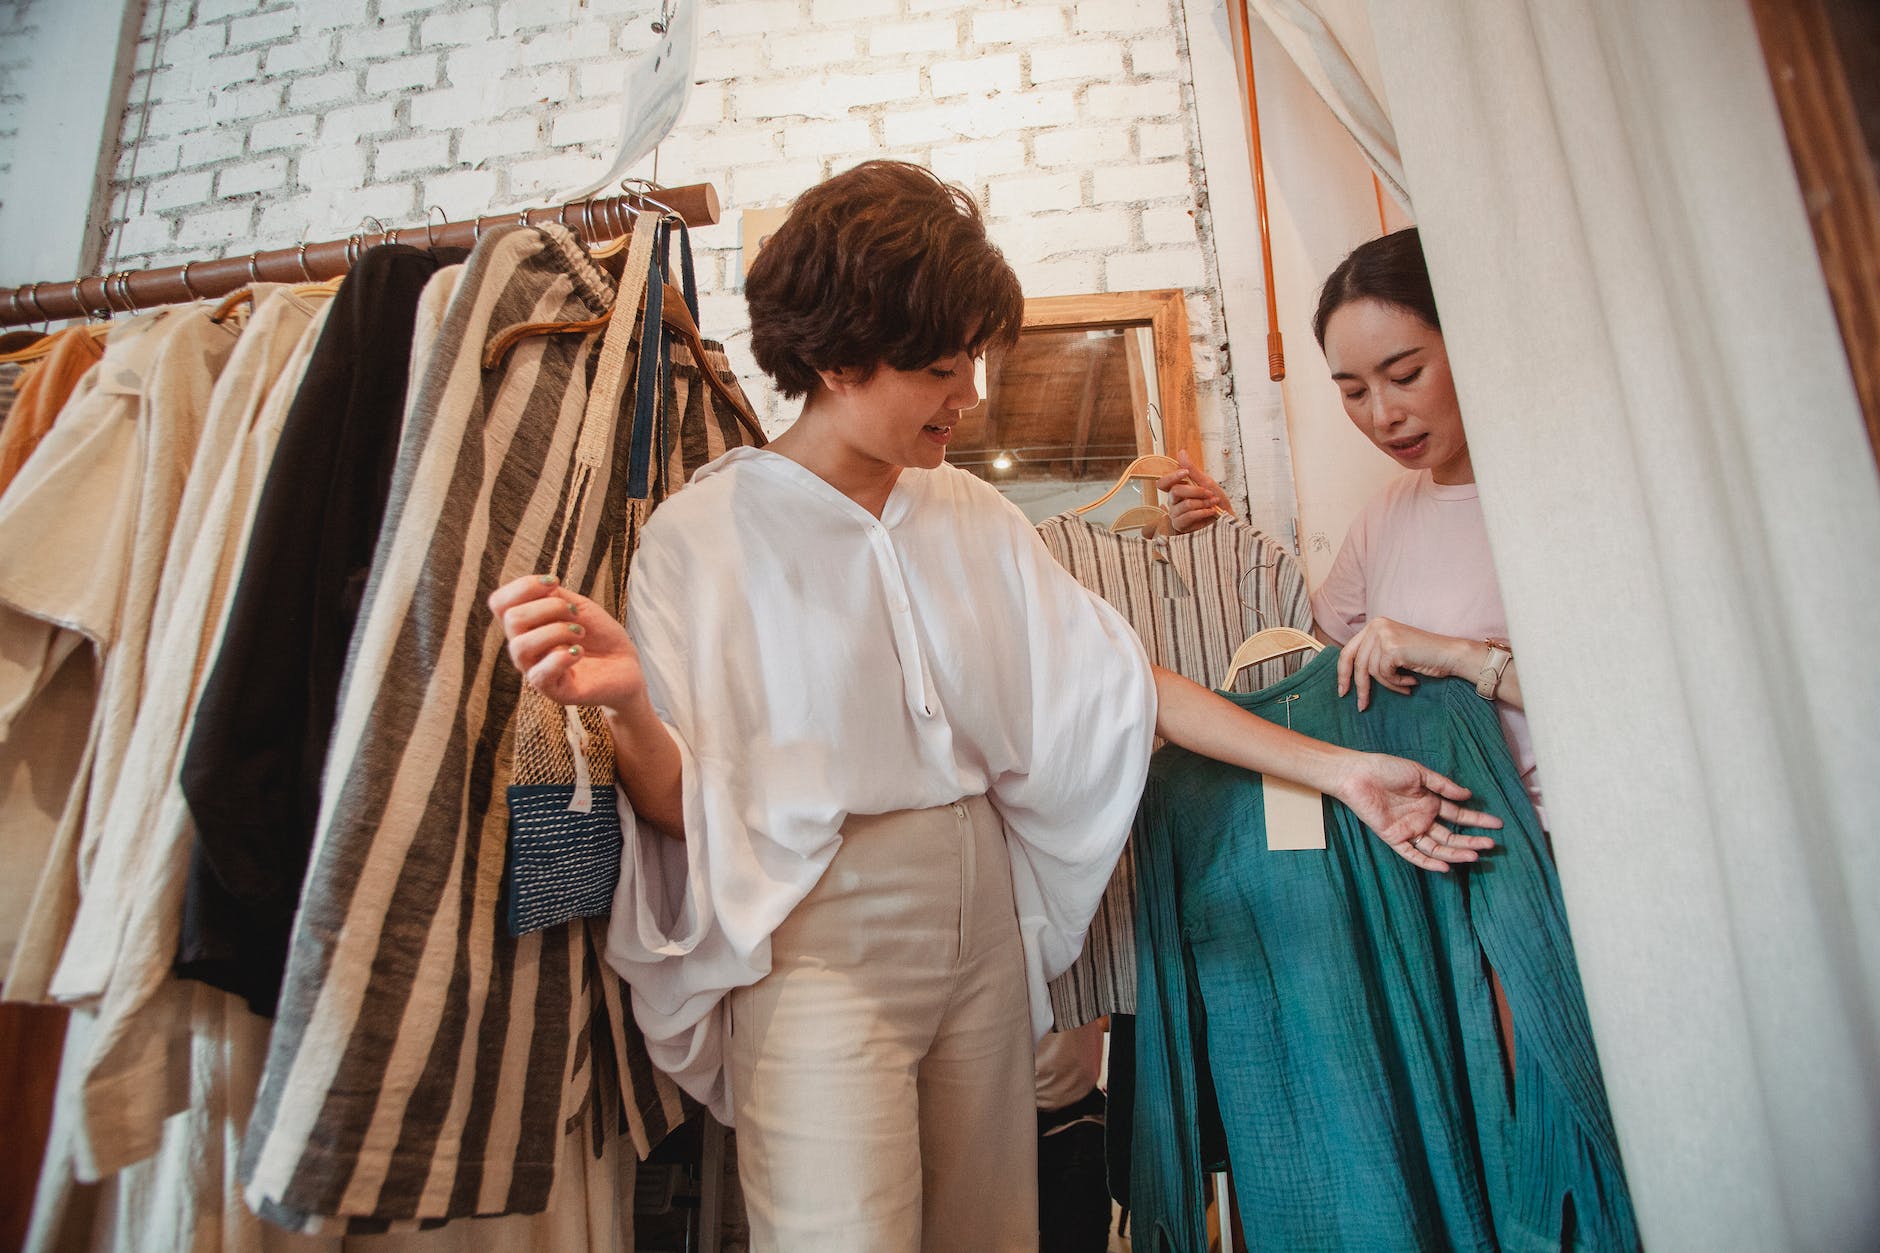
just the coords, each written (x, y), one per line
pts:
(1165, 312)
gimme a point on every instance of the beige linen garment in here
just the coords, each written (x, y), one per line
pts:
(82, 536)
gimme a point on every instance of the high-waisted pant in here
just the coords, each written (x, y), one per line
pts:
(882, 1072)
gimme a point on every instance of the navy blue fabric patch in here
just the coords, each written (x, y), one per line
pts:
(561, 864)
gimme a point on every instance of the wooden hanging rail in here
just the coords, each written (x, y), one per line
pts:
(130, 291)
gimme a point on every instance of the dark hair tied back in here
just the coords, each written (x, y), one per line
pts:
(883, 264)
(1389, 269)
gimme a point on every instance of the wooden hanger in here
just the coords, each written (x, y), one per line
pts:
(1150, 518)
(1264, 646)
(1151, 466)
(673, 316)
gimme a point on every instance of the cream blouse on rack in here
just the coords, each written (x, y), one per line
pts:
(811, 662)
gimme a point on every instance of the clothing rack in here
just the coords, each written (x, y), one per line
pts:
(130, 291)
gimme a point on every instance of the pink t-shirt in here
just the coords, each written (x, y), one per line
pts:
(1418, 554)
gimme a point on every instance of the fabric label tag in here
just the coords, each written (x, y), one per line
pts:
(1295, 815)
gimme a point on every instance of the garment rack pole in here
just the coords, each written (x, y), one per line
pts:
(130, 291)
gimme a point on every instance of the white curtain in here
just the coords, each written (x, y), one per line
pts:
(1686, 520)
(1329, 40)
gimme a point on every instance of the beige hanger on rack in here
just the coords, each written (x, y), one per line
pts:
(1150, 466)
(1264, 646)
(1148, 518)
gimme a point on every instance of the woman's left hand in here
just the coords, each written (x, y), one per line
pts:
(1194, 499)
(1407, 806)
(1391, 655)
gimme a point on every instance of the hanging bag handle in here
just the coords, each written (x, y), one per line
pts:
(653, 368)
(603, 401)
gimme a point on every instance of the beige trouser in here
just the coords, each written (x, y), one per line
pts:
(881, 1074)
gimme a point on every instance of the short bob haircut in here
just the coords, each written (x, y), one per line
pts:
(1389, 269)
(883, 264)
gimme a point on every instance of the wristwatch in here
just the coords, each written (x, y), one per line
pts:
(1489, 681)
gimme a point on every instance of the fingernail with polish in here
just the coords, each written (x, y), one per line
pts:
(575, 628)
(548, 580)
(574, 650)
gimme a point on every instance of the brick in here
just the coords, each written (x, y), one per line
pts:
(550, 47)
(831, 12)
(1080, 146)
(1161, 139)
(729, 58)
(456, 29)
(789, 98)
(1072, 276)
(244, 100)
(737, 147)
(532, 181)
(214, 226)
(305, 53)
(704, 108)
(978, 160)
(857, 90)
(390, 203)
(282, 132)
(401, 156)
(263, 28)
(897, 39)
(331, 14)
(179, 117)
(251, 176)
(211, 74)
(584, 126)
(480, 66)
(1120, 15)
(510, 137)
(444, 108)
(1155, 55)
(1078, 61)
(356, 121)
(391, 8)
(147, 233)
(210, 146)
(595, 79)
(194, 44)
(1168, 226)
(403, 74)
(340, 165)
(1008, 111)
(309, 93)
(1036, 192)
(828, 139)
(149, 158)
(1144, 271)
(920, 126)
(980, 74)
(1027, 24)
(461, 193)
(528, 91)
(286, 222)
(1163, 180)
(373, 43)
(941, 6)
(748, 17)
(177, 191)
(815, 51)
(1130, 101)
(774, 184)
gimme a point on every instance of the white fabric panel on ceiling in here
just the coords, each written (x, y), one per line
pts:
(1329, 40)
(1686, 522)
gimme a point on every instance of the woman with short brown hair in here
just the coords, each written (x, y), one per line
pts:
(895, 747)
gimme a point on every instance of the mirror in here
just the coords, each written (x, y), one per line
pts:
(1093, 382)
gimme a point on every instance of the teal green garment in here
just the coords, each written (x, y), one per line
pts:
(1341, 1001)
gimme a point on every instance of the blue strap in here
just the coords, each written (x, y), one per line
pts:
(689, 282)
(648, 368)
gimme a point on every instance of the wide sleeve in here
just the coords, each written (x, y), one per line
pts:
(1090, 727)
(1338, 606)
(692, 918)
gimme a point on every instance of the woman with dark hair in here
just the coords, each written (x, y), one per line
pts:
(878, 752)
(1413, 590)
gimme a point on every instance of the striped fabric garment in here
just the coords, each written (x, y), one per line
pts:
(424, 1065)
(1193, 599)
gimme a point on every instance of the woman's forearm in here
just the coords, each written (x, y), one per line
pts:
(646, 762)
(1204, 722)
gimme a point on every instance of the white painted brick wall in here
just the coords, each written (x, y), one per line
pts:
(275, 121)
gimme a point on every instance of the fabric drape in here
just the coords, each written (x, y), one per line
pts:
(1339, 1003)
(1685, 519)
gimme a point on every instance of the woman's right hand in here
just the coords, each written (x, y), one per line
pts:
(568, 648)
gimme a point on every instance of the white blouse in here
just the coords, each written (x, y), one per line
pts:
(812, 662)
